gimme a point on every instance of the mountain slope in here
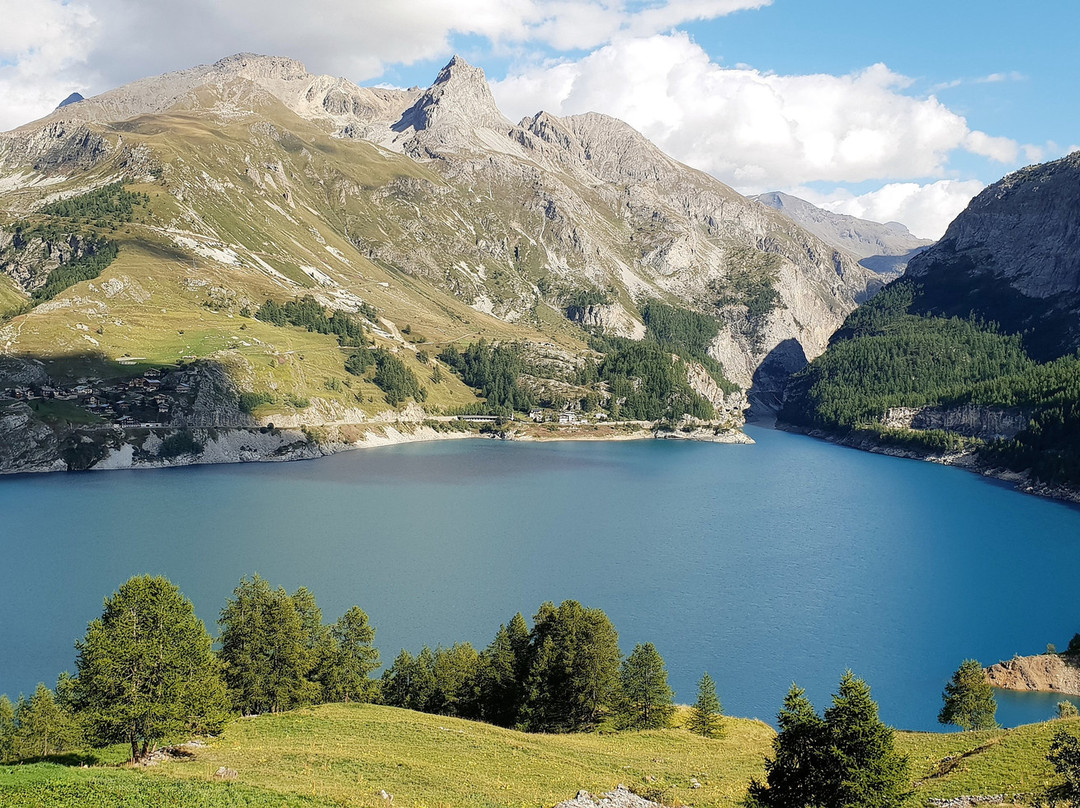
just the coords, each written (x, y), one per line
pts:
(974, 350)
(884, 248)
(262, 181)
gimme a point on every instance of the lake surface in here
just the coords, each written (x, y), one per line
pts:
(790, 560)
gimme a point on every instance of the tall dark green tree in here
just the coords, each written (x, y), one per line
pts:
(574, 668)
(646, 698)
(146, 669)
(1064, 756)
(352, 659)
(845, 760)
(706, 716)
(265, 649)
(399, 682)
(501, 674)
(969, 699)
(795, 776)
(867, 771)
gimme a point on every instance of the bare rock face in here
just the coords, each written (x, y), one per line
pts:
(987, 423)
(1050, 673)
(621, 797)
(25, 443)
(1013, 257)
(884, 248)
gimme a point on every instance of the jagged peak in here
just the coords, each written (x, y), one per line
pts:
(460, 95)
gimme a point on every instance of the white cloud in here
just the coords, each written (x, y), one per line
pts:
(756, 131)
(926, 209)
(40, 43)
(51, 47)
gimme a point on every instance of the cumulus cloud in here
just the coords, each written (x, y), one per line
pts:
(50, 47)
(40, 43)
(926, 209)
(756, 131)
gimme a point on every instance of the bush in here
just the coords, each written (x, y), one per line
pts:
(179, 443)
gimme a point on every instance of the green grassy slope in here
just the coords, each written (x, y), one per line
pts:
(344, 755)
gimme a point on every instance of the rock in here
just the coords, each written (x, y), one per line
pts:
(1048, 673)
(225, 773)
(621, 797)
(694, 783)
(1013, 257)
(386, 796)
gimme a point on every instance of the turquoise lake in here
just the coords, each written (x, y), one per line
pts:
(790, 560)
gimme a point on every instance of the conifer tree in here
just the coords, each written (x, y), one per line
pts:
(7, 729)
(646, 696)
(845, 760)
(265, 650)
(353, 658)
(43, 727)
(706, 716)
(146, 669)
(969, 699)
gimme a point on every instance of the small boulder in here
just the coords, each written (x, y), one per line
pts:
(225, 773)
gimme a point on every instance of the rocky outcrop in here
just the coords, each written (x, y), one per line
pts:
(970, 420)
(621, 797)
(26, 443)
(1013, 257)
(1049, 673)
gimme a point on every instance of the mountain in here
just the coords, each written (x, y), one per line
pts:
(884, 248)
(973, 353)
(71, 99)
(1013, 257)
(427, 214)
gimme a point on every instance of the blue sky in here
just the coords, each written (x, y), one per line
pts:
(885, 110)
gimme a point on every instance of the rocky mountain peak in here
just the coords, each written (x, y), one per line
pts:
(256, 66)
(74, 98)
(460, 96)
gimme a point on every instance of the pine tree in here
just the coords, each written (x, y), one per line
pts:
(146, 669)
(646, 696)
(573, 670)
(353, 658)
(398, 682)
(969, 699)
(706, 716)
(265, 649)
(795, 775)
(43, 727)
(866, 770)
(845, 760)
(7, 729)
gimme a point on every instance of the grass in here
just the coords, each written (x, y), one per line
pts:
(63, 412)
(348, 753)
(344, 755)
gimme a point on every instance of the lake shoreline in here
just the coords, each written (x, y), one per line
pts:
(269, 444)
(966, 461)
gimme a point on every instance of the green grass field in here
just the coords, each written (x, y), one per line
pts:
(344, 755)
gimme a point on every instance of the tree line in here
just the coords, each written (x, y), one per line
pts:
(307, 312)
(146, 669)
(565, 673)
(888, 354)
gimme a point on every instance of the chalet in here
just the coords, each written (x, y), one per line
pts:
(568, 417)
(536, 415)
(153, 373)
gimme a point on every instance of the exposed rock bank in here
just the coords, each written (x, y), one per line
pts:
(621, 797)
(1047, 673)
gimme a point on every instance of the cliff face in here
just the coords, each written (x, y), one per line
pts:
(884, 248)
(1048, 673)
(1013, 257)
